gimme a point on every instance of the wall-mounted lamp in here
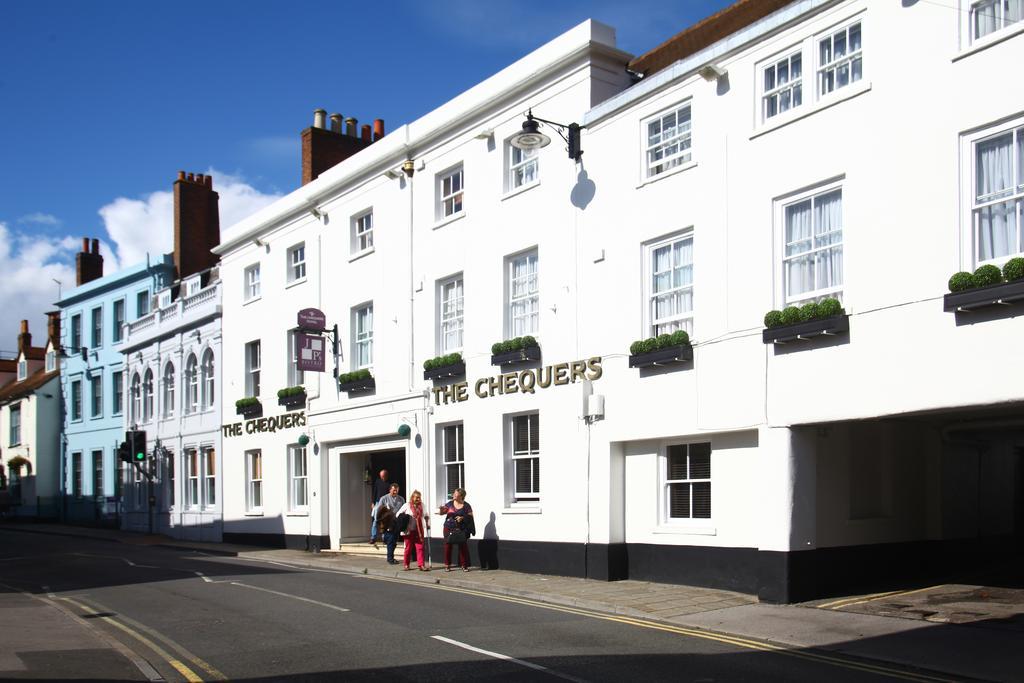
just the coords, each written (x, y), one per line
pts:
(711, 72)
(303, 439)
(408, 167)
(530, 136)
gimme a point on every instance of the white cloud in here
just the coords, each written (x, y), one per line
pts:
(30, 264)
(146, 225)
(40, 219)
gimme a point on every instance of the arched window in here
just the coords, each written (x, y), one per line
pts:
(147, 396)
(136, 397)
(169, 390)
(208, 388)
(191, 385)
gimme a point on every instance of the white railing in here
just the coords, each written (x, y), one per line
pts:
(201, 297)
(142, 323)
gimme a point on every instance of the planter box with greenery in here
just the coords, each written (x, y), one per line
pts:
(441, 367)
(292, 397)
(359, 380)
(810, 320)
(249, 407)
(664, 349)
(987, 286)
(518, 350)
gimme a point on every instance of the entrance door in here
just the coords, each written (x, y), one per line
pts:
(357, 473)
(394, 463)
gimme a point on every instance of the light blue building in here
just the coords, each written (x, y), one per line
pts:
(93, 317)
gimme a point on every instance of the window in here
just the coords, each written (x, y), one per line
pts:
(523, 167)
(97, 327)
(450, 192)
(998, 199)
(118, 321)
(97, 474)
(450, 324)
(142, 303)
(117, 384)
(670, 286)
(668, 140)
(295, 376)
(76, 400)
(523, 295)
(297, 478)
(252, 368)
(208, 379)
(840, 61)
(989, 16)
(51, 361)
(454, 461)
(15, 425)
(252, 282)
(168, 398)
(22, 370)
(209, 477)
(192, 478)
(362, 337)
(526, 457)
(783, 86)
(191, 385)
(254, 481)
(96, 395)
(687, 486)
(170, 479)
(297, 263)
(76, 475)
(362, 232)
(76, 333)
(136, 398)
(812, 252)
(147, 396)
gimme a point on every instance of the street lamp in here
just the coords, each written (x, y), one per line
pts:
(530, 136)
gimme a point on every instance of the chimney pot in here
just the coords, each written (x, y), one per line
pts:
(85, 245)
(350, 127)
(200, 178)
(365, 133)
(191, 178)
(378, 129)
(336, 120)
(95, 246)
(209, 181)
(181, 175)
(319, 118)
(24, 326)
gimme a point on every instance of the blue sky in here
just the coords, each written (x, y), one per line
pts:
(101, 103)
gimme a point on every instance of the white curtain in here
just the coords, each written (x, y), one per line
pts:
(996, 223)
(799, 270)
(828, 230)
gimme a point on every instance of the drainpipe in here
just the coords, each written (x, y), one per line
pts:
(408, 168)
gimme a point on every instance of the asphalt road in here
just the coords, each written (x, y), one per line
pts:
(197, 617)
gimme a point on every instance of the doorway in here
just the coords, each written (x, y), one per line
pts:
(356, 474)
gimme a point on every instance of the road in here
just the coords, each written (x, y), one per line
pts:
(192, 616)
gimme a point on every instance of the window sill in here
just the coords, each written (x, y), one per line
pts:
(830, 100)
(294, 283)
(525, 510)
(360, 254)
(990, 40)
(253, 514)
(296, 514)
(686, 531)
(450, 219)
(667, 174)
(252, 300)
(519, 190)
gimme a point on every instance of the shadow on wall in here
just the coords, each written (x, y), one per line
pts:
(584, 191)
(487, 546)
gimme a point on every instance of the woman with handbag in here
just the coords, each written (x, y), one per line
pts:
(413, 530)
(458, 527)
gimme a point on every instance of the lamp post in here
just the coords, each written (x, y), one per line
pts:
(530, 136)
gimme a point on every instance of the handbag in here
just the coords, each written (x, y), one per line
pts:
(457, 537)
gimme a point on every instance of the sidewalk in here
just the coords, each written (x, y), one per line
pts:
(981, 650)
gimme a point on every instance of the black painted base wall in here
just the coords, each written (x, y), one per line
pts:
(287, 541)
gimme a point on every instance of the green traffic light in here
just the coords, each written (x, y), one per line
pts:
(140, 456)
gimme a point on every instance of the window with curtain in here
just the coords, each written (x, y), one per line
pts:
(253, 358)
(15, 419)
(168, 398)
(117, 387)
(669, 140)
(76, 400)
(450, 188)
(998, 196)
(96, 395)
(812, 261)
(362, 337)
(254, 481)
(523, 295)
(783, 85)
(526, 458)
(840, 59)
(297, 478)
(191, 385)
(117, 330)
(209, 477)
(523, 167)
(989, 16)
(450, 311)
(297, 263)
(76, 333)
(252, 282)
(192, 478)
(670, 286)
(147, 396)
(454, 461)
(362, 232)
(97, 474)
(97, 327)
(136, 398)
(209, 379)
(687, 482)
(76, 475)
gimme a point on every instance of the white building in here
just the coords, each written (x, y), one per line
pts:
(172, 370)
(799, 156)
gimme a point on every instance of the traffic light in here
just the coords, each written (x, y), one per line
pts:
(137, 445)
(124, 452)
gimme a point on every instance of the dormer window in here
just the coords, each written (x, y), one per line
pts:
(163, 299)
(22, 370)
(51, 361)
(193, 285)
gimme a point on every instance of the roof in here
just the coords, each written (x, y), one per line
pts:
(704, 33)
(8, 365)
(16, 390)
(35, 353)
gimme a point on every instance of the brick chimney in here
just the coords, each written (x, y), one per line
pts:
(53, 328)
(88, 262)
(24, 339)
(196, 223)
(323, 148)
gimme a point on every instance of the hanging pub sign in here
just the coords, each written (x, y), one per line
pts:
(311, 354)
(312, 320)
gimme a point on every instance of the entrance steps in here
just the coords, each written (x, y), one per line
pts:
(360, 549)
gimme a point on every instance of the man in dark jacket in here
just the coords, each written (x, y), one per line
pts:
(381, 486)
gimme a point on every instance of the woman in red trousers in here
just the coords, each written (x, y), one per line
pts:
(414, 531)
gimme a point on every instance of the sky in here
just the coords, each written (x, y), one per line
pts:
(102, 102)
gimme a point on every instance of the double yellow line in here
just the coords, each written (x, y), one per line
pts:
(727, 639)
